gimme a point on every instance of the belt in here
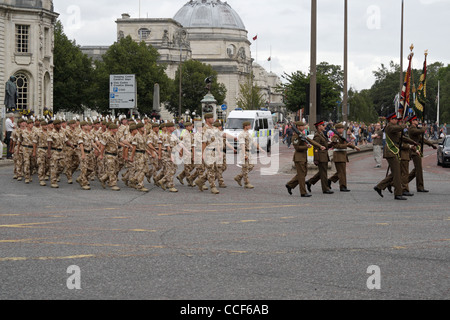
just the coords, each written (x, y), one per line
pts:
(29, 147)
(87, 151)
(43, 148)
(340, 150)
(56, 149)
(140, 151)
(111, 154)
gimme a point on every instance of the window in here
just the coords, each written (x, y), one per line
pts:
(144, 34)
(22, 91)
(22, 38)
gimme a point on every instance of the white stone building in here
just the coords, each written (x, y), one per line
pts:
(211, 32)
(26, 51)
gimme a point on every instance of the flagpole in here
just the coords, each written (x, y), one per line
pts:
(401, 50)
(313, 67)
(438, 102)
(270, 59)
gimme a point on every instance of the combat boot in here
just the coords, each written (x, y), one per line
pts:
(214, 190)
(249, 186)
(238, 181)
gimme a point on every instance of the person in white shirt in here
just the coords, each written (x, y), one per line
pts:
(10, 127)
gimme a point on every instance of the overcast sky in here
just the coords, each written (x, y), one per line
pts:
(284, 25)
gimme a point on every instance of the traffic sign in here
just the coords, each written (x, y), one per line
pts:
(224, 107)
(122, 91)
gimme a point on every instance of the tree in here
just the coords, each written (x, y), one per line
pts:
(193, 87)
(250, 96)
(361, 106)
(331, 81)
(444, 77)
(73, 75)
(385, 88)
(129, 57)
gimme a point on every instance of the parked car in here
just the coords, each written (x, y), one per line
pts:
(443, 152)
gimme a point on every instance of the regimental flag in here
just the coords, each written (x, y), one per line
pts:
(406, 92)
(255, 38)
(270, 59)
(422, 92)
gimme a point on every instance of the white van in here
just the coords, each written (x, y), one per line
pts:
(262, 128)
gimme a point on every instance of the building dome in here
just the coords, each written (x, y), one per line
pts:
(209, 14)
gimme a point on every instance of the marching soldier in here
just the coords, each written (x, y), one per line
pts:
(27, 144)
(56, 142)
(395, 142)
(340, 158)
(301, 146)
(72, 161)
(110, 153)
(86, 144)
(138, 158)
(42, 161)
(209, 147)
(186, 138)
(169, 167)
(246, 144)
(417, 135)
(321, 159)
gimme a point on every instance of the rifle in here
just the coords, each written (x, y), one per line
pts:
(300, 135)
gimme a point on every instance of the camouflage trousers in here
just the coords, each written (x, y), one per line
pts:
(27, 162)
(43, 164)
(87, 168)
(72, 162)
(18, 162)
(169, 169)
(57, 165)
(138, 170)
(111, 170)
(246, 169)
(220, 169)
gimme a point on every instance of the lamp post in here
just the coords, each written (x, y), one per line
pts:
(313, 67)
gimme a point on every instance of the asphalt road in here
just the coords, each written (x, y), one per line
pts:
(259, 244)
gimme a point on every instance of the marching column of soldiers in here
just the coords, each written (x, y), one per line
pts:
(146, 150)
(138, 150)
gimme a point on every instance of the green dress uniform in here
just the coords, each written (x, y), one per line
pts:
(340, 159)
(416, 134)
(321, 158)
(392, 154)
(301, 162)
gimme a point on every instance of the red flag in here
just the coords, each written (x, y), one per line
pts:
(255, 38)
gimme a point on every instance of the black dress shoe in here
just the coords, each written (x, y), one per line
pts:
(329, 183)
(423, 191)
(345, 190)
(306, 195)
(328, 192)
(390, 189)
(408, 194)
(289, 189)
(400, 198)
(308, 186)
(379, 191)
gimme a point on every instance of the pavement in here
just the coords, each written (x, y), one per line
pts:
(260, 244)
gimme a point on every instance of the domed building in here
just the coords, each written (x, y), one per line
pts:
(209, 31)
(26, 51)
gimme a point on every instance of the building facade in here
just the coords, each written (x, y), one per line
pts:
(211, 32)
(26, 51)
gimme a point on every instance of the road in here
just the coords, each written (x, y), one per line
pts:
(259, 244)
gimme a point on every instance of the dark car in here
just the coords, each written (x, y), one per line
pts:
(443, 152)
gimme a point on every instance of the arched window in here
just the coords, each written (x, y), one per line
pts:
(144, 34)
(23, 91)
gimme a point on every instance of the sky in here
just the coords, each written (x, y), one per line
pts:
(283, 28)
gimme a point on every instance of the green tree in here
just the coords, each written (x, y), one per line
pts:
(129, 57)
(194, 74)
(444, 77)
(73, 75)
(385, 88)
(250, 96)
(329, 77)
(361, 106)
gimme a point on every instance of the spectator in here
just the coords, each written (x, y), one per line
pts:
(378, 145)
(10, 127)
(289, 134)
(445, 128)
